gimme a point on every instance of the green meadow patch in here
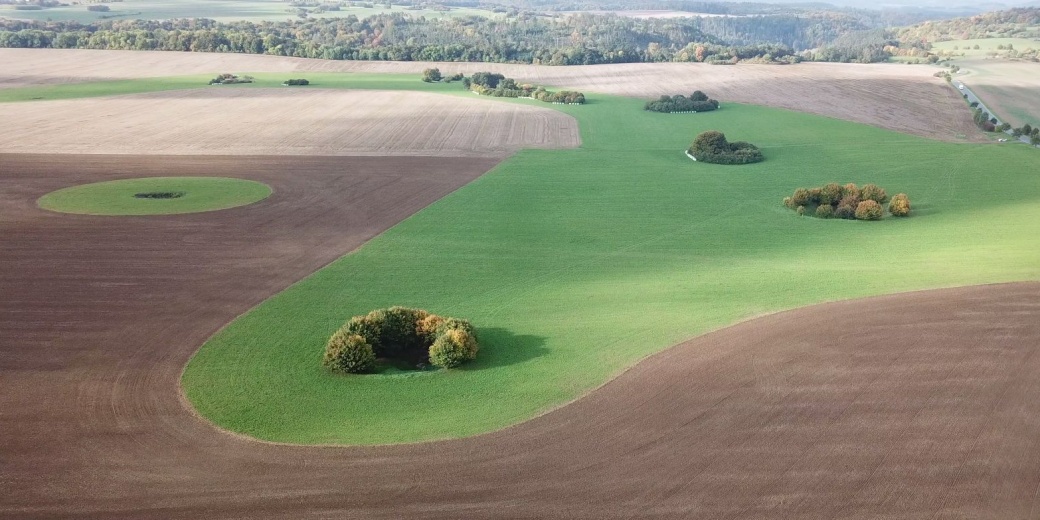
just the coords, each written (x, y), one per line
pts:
(155, 196)
(577, 264)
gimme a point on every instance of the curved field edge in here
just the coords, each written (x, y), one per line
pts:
(115, 198)
(577, 264)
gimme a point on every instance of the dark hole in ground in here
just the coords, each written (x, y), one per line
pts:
(160, 195)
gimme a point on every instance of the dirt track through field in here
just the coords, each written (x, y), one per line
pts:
(923, 405)
(241, 121)
(897, 97)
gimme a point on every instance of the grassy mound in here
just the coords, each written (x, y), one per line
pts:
(579, 263)
(155, 196)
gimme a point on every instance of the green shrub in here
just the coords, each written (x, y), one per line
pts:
(453, 348)
(712, 147)
(875, 193)
(369, 327)
(348, 353)
(825, 211)
(398, 335)
(900, 206)
(869, 210)
(401, 334)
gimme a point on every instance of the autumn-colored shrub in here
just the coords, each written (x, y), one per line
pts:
(849, 200)
(800, 197)
(453, 348)
(369, 326)
(845, 211)
(869, 210)
(830, 194)
(850, 190)
(455, 323)
(403, 335)
(900, 206)
(874, 192)
(348, 353)
(427, 327)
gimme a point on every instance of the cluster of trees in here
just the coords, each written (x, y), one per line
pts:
(497, 85)
(400, 335)
(98, 8)
(847, 202)
(296, 82)
(1026, 130)
(434, 75)
(229, 79)
(868, 46)
(983, 119)
(697, 102)
(712, 147)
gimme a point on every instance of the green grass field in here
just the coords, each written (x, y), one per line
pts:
(576, 264)
(222, 10)
(195, 194)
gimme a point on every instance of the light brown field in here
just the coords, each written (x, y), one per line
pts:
(1009, 88)
(241, 121)
(904, 98)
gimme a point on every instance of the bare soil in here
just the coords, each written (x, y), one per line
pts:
(921, 405)
(905, 98)
(241, 121)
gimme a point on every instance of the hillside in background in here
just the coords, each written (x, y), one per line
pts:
(547, 32)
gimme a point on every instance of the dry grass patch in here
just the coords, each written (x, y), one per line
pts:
(1007, 87)
(239, 121)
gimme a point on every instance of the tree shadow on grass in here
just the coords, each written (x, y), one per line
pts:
(500, 347)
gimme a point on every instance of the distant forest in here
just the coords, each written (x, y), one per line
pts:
(1015, 23)
(526, 37)
(523, 38)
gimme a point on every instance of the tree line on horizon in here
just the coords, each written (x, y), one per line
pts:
(581, 39)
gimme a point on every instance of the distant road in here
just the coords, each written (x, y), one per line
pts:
(972, 98)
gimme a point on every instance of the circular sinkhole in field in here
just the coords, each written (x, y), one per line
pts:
(155, 196)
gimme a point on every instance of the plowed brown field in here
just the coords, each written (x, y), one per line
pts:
(898, 97)
(283, 122)
(922, 405)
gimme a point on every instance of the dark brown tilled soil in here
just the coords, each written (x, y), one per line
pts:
(922, 405)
